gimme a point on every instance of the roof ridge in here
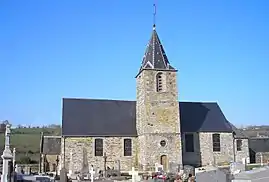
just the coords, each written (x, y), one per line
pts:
(93, 99)
(202, 102)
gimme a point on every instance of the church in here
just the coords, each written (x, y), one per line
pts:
(156, 128)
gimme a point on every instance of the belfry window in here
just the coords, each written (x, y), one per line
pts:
(159, 82)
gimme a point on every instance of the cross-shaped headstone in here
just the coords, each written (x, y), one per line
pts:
(92, 172)
(134, 174)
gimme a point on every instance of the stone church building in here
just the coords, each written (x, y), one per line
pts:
(156, 128)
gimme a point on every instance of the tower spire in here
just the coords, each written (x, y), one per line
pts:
(154, 14)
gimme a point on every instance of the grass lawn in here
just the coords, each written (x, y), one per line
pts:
(27, 141)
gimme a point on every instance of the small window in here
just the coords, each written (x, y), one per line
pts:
(189, 142)
(163, 143)
(98, 144)
(216, 142)
(127, 147)
(159, 82)
(239, 145)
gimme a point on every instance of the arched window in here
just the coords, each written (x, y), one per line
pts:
(159, 82)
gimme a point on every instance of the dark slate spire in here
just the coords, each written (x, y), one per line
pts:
(155, 57)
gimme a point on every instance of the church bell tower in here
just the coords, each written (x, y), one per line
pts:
(157, 108)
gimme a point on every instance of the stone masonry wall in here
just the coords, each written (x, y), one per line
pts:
(192, 158)
(157, 112)
(244, 153)
(158, 118)
(151, 150)
(226, 153)
(113, 147)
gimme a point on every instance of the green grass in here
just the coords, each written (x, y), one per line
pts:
(27, 141)
(250, 167)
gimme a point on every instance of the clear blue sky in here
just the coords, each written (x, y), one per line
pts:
(93, 49)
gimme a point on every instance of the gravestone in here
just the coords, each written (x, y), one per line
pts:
(134, 174)
(42, 179)
(211, 175)
(189, 170)
(7, 157)
(237, 167)
(255, 175)
(173, 167)
(63, 175)
(27, 170)
(92, 172)
(158, 167)
(17, 169)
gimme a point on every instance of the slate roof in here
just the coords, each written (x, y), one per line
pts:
(259, 144)
(155, 56)
(240, 134)
(93, 117)
(51, 145)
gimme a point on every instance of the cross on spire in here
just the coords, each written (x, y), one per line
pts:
(154, 14)
(155, 56)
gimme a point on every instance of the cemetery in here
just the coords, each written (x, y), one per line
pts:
(154, 138)
(235, 172)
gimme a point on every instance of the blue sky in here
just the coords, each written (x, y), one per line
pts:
(93, 49)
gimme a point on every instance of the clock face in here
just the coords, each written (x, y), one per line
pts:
(163, 143)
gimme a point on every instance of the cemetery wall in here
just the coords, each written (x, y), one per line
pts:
(244, 153)
(226, 153)
(83, 152)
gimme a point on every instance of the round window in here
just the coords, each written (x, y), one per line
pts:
(163, 143)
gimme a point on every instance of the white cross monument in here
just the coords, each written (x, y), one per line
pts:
(92, 172)
(134, 174)
(7, 155)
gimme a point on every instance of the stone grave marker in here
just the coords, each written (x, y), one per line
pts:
(63, 175)
(27, 170)
(17, 169)
(187, 169)
(134, 174)
(42, 179)
(158, 167)
(7, 157)
(92, 172)
(255, 175)
(237, 167)
(173, 167)
(211, 174)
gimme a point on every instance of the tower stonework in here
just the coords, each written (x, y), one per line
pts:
(157, 116)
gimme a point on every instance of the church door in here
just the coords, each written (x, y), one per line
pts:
(164, 162)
